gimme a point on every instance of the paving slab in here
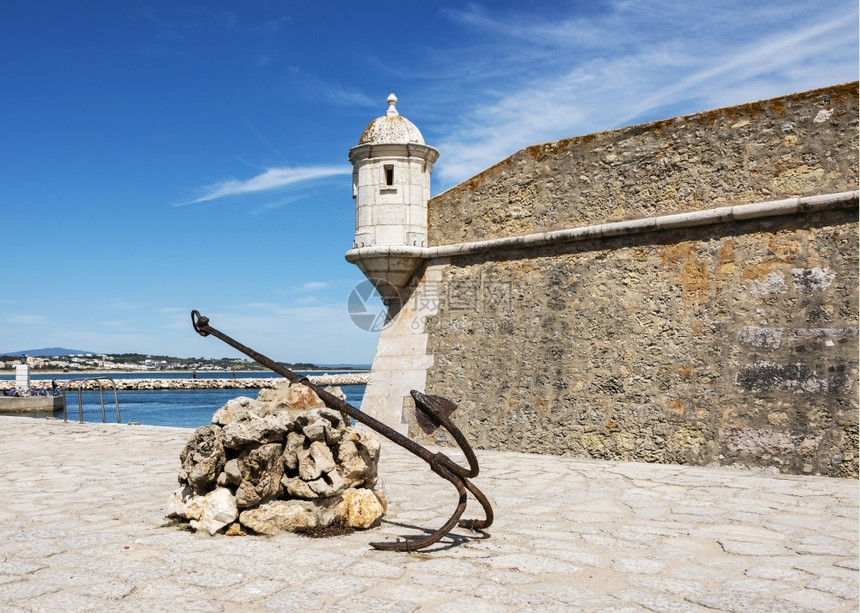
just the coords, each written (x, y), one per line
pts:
(83, 528)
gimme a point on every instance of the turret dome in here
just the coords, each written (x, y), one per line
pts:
(391, 128)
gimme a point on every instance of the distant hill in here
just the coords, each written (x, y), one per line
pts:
(47, 352)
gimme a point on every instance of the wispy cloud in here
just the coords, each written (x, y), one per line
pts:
(781, 52)
(573, 72)
(269, 205)
(269, 180)
(313, 285)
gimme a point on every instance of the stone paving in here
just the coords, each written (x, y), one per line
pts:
(82, 528)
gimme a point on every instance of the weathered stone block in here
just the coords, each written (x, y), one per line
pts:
(202, 459)
(176, 503)
(278, 516)
(249, 428)
(235, 407)
(295, 442)
(361, 508)
(220, 510)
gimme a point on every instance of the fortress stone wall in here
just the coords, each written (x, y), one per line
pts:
(620, 325)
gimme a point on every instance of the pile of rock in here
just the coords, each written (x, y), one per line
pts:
(281, 462)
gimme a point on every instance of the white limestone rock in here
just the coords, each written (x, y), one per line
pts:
(324, 425)
(176, 503)
(295, 442)
(234, 408)
(232, 473)
(328, 485)
(292, 398)
(316, 430)
(260, 469)
(308, 469)
(202, 459)
(194, 507)
(371, 446)
(250, 429)
(352, 466)
(220, 510)
(360, 508)
(322, 457)
(296, 487)
(279, 516)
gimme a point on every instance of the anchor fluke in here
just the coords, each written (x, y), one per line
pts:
(431, 410)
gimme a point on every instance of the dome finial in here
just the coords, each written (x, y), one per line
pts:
(392, 110)
(391, 128)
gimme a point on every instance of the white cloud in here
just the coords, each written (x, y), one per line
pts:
(271, 179)
(275, 204)
(313, 285)
(780, 52)
(542, 78)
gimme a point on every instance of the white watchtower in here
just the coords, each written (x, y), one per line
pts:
(391, 187)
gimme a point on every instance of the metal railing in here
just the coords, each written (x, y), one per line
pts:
(80, 384)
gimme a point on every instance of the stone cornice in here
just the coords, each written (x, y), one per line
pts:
(725, 214)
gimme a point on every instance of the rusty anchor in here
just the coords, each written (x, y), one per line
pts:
(431, 413)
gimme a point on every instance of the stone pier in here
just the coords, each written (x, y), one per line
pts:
(155, 383)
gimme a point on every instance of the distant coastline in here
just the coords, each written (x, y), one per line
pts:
(153, 374)
(53, 360)
(176, 383)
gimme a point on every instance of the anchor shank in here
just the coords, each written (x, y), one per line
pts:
(201, 325)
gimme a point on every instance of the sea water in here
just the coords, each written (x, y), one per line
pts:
(181, 408)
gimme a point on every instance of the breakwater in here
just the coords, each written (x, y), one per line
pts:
(31, 404)
(193, 384)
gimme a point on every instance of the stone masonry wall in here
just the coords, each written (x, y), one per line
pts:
(727, 344)
(797, 145)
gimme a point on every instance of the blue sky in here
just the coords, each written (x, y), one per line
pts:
(167, 156)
